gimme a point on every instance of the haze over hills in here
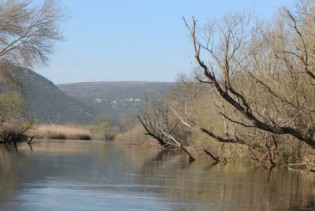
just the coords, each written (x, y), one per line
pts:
(114, 98)
(44, 101)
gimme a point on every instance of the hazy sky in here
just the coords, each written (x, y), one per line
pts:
(143, 40)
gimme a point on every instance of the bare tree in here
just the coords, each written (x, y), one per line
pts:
(262, 74)
(234, 58)
(27, 34)
(262, 89)
(159, 123)
(190, 99)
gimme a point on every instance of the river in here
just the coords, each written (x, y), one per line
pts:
(95, 175)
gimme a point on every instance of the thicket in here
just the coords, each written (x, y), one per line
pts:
(253, 91)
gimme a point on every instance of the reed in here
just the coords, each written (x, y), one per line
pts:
(53, 131)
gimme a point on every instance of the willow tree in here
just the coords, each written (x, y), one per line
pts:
(264, 72)
(27, 36)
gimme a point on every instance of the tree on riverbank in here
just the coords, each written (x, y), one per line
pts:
(261, 81)
(27, 37)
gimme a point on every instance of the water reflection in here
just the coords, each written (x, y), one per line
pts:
(109, 176)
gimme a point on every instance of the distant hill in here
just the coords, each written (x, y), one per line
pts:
(114, 98)
(77, 102)
(44, 101)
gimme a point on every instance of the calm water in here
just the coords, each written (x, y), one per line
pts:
(75, 175)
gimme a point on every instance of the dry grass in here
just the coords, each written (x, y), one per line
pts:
(53, 131)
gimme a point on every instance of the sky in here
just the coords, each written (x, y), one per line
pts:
(138, 40)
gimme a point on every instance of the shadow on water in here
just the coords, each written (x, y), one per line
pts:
(110, 176)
